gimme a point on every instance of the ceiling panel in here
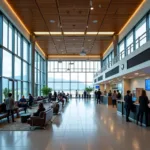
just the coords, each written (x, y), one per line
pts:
(74, 16)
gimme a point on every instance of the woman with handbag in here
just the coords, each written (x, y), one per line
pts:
(143, 108)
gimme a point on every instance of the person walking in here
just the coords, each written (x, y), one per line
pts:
(110, 93)
(128, 104)
(118, 95)
(10, 107)
(95, 94)
(99, 96)
(76, 93)
(30, 100)
(55, 95)
(143, 108)
(49, 96)
(114, 98)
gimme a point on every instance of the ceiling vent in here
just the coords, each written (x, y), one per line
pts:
(82, 53)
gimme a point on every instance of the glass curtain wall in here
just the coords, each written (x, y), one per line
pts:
(16, 63)
(69, 76)
(40, 73)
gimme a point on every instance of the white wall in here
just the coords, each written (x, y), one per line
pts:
(138, 83)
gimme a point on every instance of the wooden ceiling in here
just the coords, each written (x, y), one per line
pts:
(74, 16)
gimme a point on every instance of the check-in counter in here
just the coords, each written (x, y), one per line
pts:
(107, 100)
(120, 105)
(133, 113)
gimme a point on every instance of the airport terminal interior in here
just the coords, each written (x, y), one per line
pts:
(74, 74)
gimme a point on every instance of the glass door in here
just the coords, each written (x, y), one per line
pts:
(13, 88)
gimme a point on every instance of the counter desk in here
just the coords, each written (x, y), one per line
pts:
(133, 113)
(107, 100)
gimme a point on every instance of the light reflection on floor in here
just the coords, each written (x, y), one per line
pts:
(83, 125)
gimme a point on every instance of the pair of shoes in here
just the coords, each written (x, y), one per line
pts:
(128, 121)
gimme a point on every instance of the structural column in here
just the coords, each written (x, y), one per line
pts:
(125, 86)
(1, 55)
(32, 39)
(115, 44)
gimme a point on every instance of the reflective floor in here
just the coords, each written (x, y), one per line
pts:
(83, 125)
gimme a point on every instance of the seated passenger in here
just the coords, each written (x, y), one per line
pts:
(40, 109)
(61, 99)
(23, 103)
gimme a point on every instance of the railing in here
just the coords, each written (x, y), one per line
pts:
(130, 49)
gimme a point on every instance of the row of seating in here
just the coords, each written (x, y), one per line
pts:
(3, 112)
(46, 116)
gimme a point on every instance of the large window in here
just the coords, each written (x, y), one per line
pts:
(140, 34)
(7, 64)
(15, 62)
(121, 50)
(129, 43)
(40, 73)
(69, 76)
(5, 33)
(17, 68)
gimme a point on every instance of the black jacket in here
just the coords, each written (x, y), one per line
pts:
(128, 101)
(143, 100)
(99, 94)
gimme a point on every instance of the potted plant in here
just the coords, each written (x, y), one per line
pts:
(89, 90)
(46, 90)
(5, 92)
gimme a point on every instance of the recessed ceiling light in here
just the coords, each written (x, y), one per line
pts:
(95, 21)
(52, 21)
(99, 5)
(92, 8)
(136, 73)
(74, 39)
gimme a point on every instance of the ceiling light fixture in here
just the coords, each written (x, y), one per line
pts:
(52, 21)
(92, 8)
(91, 5)
(91, 33)
(47, 33)
(73, 33)
(83, 53)
(55, 33)
(105, 33)
(95, 21)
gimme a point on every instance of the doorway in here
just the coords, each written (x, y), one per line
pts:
(13, 88)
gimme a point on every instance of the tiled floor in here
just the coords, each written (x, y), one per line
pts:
(83, 125)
